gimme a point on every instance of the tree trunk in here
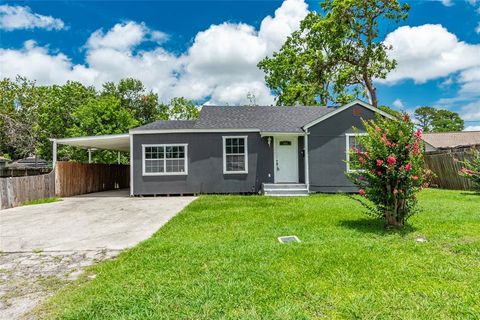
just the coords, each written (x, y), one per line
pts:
(393, 221)
(371, 90)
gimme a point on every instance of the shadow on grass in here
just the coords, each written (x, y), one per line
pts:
(374, 226)
(470, 193)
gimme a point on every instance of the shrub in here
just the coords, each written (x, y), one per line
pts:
(388, 168)
(471, 169)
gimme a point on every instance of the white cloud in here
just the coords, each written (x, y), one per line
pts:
(124, 36)
(18, 17)
(37, 63)
(472, 128)
(471, 111)
(398, 104)
(428, 52)
(447, 3)
(219, 67)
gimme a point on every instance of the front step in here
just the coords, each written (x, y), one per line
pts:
(284, 189)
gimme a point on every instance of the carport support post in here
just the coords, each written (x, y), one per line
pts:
(89, 155)
(54, 153)
(118, 157)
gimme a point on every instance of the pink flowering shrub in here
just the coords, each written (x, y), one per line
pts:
(471, 169)
(389, 169)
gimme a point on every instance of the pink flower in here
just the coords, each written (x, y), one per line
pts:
(408, 167)
(414, 178)
(379, 162)
(361, 192)
(406, 118)
(418, 134)
(379, 173)
(395, 191)
(391, 160)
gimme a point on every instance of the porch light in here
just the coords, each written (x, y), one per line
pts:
(269, 141)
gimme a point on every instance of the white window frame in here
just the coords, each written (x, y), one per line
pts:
(185, 145)
(224, 145)
(347, 149)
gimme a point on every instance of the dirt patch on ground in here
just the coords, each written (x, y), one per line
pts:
(28, 278)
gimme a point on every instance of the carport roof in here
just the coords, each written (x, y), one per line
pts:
(116, 142)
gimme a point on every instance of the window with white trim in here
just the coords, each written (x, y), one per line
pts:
(165, 159)
(235, 154)
(352, 144)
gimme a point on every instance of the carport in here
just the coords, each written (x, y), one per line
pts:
(94, 176)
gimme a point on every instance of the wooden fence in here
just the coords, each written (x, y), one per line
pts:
(73, 178)
(16, 190)
(446, 166)
(19, 172)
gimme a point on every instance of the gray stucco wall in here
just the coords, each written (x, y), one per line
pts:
(205, 165)
(327, 150)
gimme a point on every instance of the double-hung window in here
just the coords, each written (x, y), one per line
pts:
(235, 154)
(353, 144)
(165, 159)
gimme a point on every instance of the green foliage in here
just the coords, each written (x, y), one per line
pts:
(30, 115)
(134, 97)
(471, 168)
(391, 111)
(100, 116)
(55, 115)
(180, 109)
(390, 168)
(438, 120)
(334, 56)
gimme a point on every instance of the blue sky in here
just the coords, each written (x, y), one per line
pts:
(207, 50)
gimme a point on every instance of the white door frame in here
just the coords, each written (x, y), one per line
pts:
(295, 142)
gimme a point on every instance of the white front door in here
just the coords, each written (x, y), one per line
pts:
(286, 159)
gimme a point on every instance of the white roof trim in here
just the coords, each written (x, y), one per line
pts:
(280, 133)
(133, 131)
(89, 138)
(348, 105)
(118, 142)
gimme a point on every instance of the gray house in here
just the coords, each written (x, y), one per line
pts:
(248, 149)
(275, 150)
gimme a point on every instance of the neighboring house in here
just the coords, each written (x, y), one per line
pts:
(451, 141)
(29, 162)
(238, 149)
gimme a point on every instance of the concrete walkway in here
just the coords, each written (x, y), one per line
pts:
(44, 247)
(104, 220)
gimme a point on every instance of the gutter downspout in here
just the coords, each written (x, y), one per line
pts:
(307, 171)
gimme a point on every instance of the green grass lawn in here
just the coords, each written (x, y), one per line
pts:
(220, 259)
(40, 201)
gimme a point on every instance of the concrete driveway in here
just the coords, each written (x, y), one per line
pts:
(104, 220)
(44, 247)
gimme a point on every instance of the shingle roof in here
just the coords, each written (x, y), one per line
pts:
(168, 125)
(263, 118)
(446, 140)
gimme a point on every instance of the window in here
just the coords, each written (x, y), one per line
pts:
(235, 152)
(164, 159)
(352, 143)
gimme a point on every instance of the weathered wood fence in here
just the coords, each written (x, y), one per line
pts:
(17, 190)
(68, 179)
(19, 172)
(446, 166)
(73, 178)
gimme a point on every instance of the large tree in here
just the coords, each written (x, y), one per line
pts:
(134, 97)
(438, 120)
(19, 104)
(100, 116)
(334, 56)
